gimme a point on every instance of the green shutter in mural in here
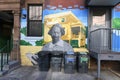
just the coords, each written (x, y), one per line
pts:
(74, 43)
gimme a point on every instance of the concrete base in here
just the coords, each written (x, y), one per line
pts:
(9, 67)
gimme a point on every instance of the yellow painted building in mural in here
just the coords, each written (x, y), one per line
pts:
(74, 29)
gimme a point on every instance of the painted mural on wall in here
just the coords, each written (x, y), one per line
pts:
(116, 25)
(71, 14)
(73, 17)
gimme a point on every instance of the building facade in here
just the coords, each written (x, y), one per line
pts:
(9, 32)
(25, 25)
(30, 20)
(38, 17)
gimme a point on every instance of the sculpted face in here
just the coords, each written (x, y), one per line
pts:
(56, 34)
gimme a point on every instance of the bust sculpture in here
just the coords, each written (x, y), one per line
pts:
(57, 44)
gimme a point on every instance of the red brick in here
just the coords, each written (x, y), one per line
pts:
(65, 3)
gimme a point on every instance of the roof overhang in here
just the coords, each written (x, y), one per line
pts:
(102, 2)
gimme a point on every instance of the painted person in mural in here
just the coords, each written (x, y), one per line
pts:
(57, 44)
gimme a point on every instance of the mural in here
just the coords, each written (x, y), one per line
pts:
(72, 16)
(65, 14)
(116, 25)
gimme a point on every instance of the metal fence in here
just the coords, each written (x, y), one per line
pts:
(4, 55)
(104, 39)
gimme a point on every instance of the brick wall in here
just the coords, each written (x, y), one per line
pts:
(64, 3)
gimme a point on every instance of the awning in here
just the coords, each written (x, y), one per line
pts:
(102, 2)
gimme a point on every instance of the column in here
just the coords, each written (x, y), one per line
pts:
(15, 54)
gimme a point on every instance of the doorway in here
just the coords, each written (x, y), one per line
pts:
(6, 37)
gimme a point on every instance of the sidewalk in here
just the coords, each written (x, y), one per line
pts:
(32, 73)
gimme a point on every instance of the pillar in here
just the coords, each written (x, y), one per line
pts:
(15, 53)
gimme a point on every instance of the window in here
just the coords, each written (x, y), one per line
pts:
(76, 30)
(34, 26)
(99, 17)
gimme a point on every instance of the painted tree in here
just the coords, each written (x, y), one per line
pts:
(116, 23)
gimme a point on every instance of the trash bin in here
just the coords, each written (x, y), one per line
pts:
(69, 62)
(82, 62)
(44, 60)
(56, 64)
(56, 61)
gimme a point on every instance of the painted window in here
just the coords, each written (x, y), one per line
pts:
(34, 27)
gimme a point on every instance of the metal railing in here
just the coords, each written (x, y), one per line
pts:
(4, 55)
(104, 39)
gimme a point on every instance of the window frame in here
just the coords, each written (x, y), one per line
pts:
(28, 20)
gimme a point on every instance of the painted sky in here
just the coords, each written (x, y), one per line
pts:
(115, 14)
(24, 21)
(80, 14)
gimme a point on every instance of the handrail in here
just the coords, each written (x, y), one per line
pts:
(4, 53)
(104, 39)
(104, 29)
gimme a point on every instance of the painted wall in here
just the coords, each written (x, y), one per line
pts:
(116, 25)
(27, 44)
(34, 44)
(77, 8)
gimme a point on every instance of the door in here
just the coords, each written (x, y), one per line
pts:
(99, 18)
